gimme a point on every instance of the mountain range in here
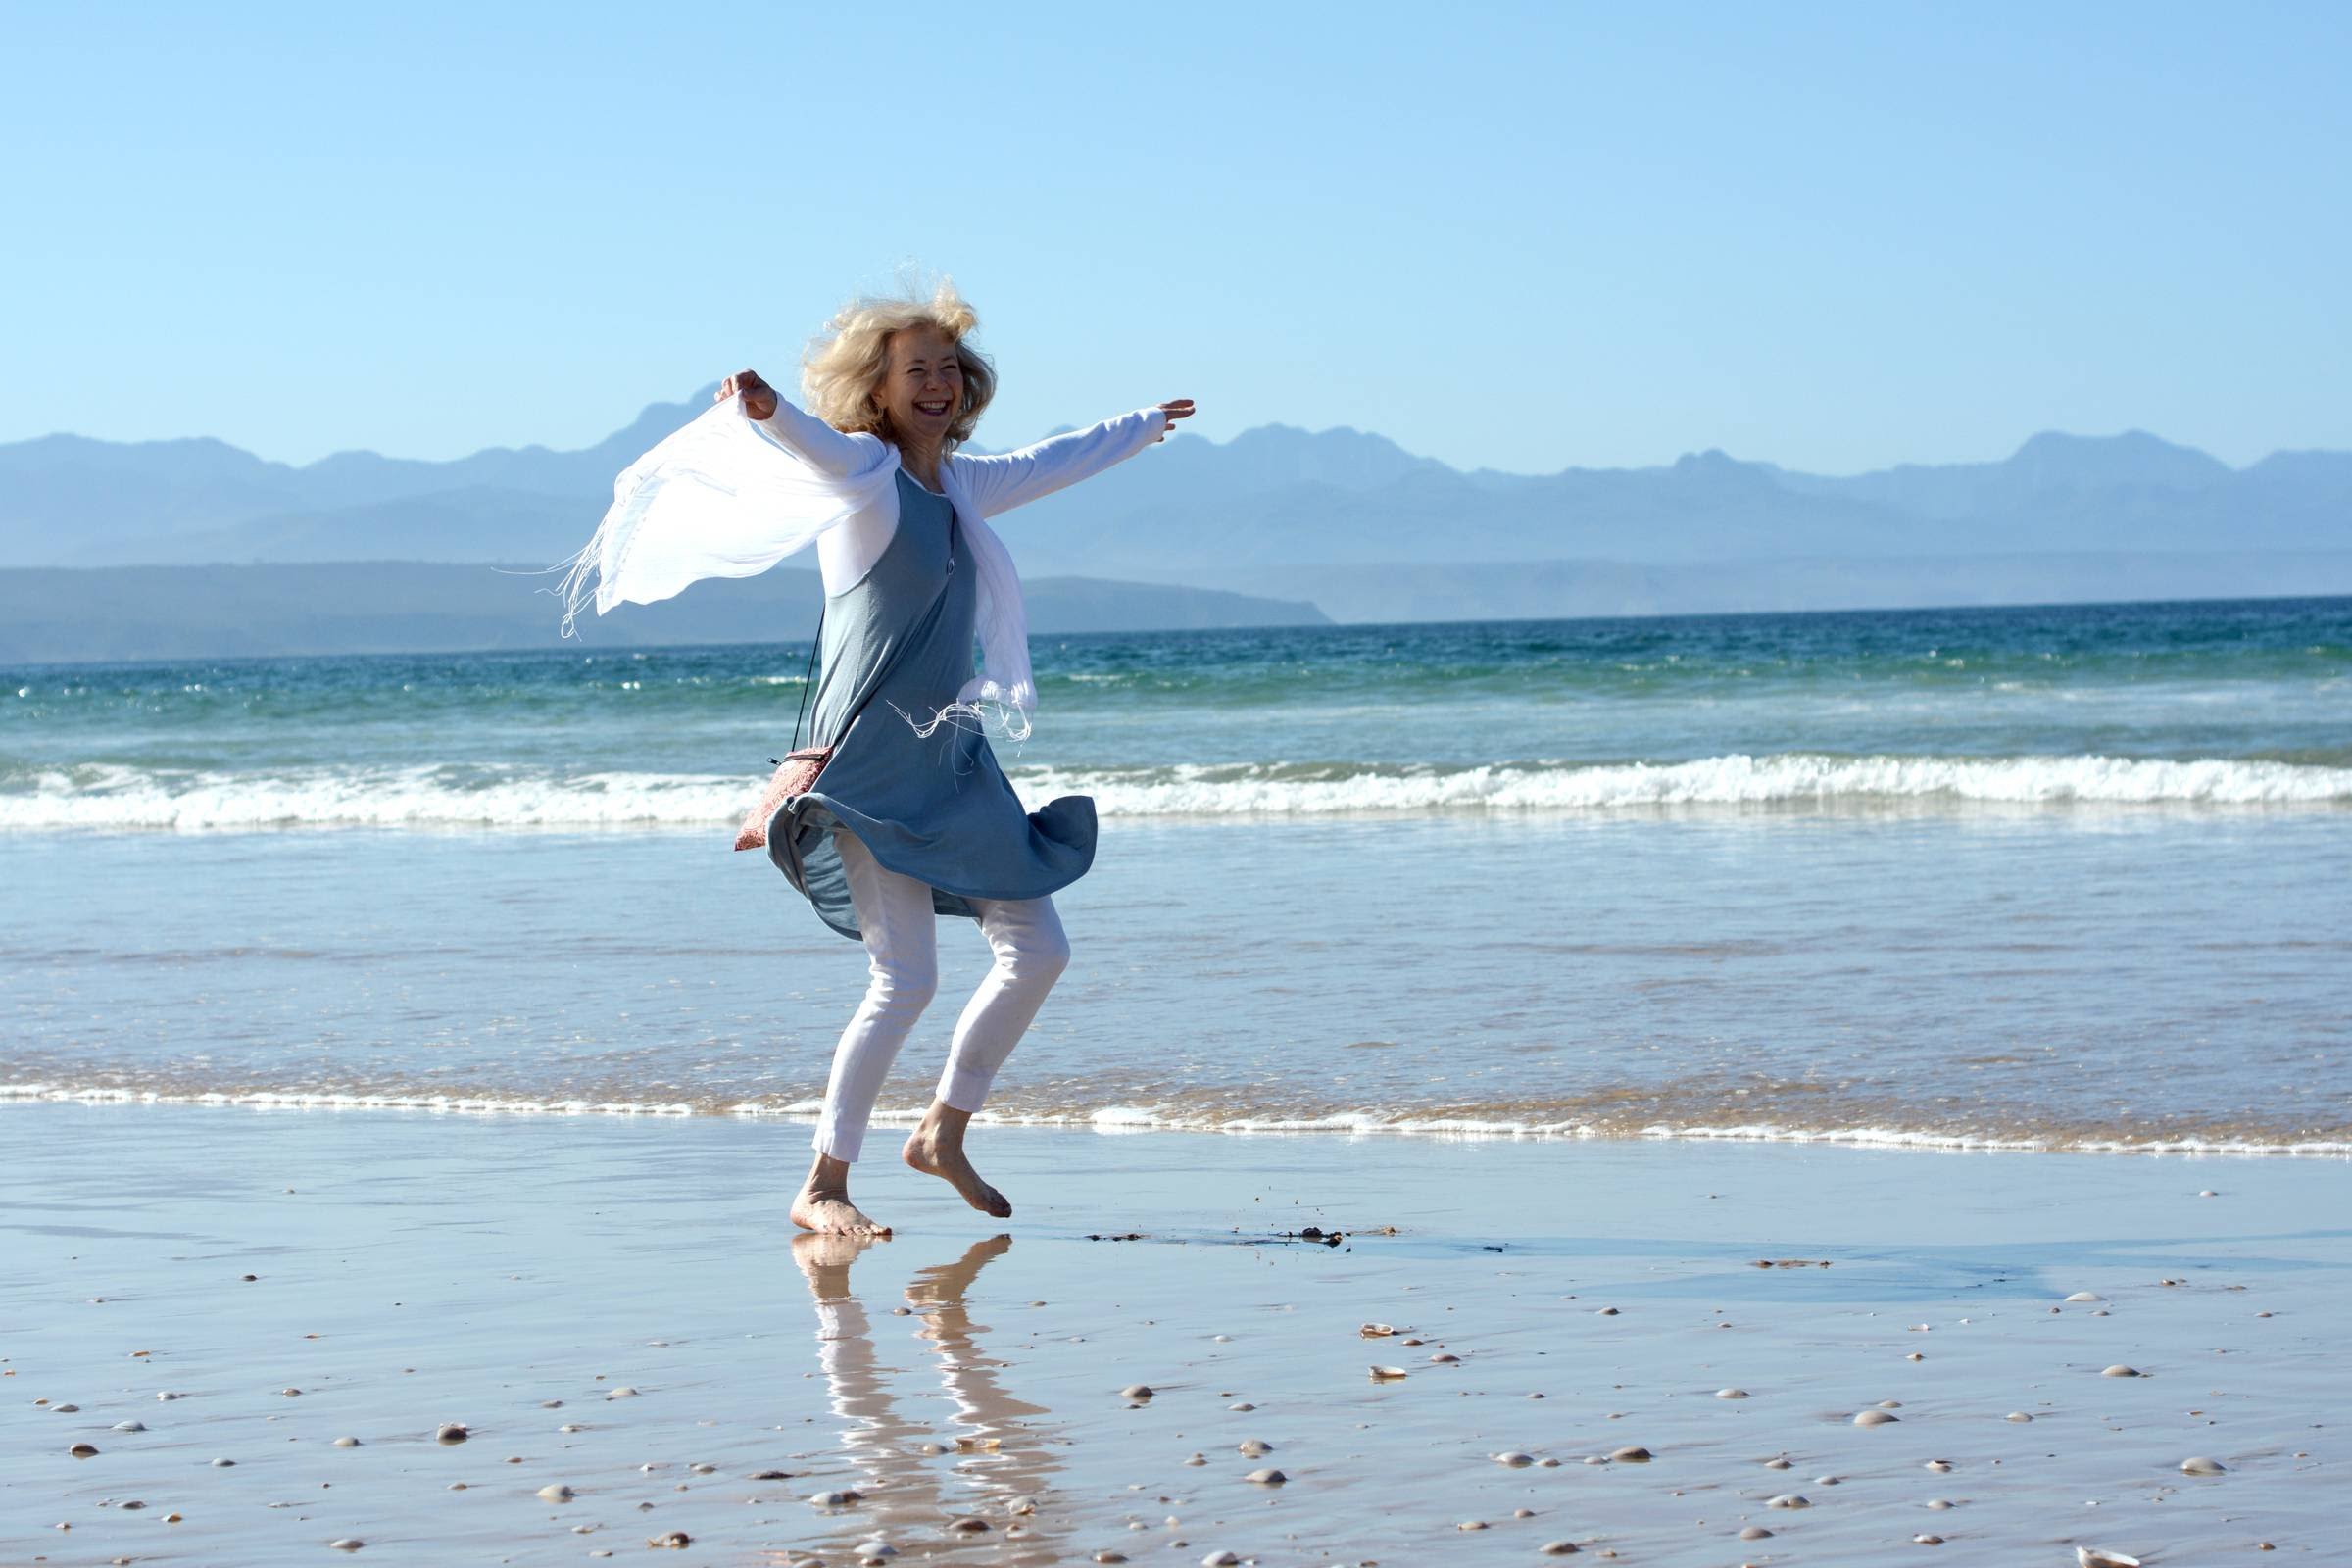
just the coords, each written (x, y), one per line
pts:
(1347, 519)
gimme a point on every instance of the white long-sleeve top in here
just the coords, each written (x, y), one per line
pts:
(730, 497)
(980, 487)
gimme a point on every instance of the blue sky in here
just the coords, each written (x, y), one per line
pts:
(1518, 236)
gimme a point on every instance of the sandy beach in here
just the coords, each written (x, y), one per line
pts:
(1647, 1351)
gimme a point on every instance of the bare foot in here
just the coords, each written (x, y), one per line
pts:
(818, 1209)
(938, 1151)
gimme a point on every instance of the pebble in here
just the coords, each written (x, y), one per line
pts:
(2087, 1295)
(223, 1464)
(969, 1525)
(1755, 1532)
(82, 1450)
(1731, 1394)
(348, 1544)
(1198, 1459)
(1928, 1541)
(1874, 1418)
(1136, 1391)
(1220, 1559)
(1778, 1464)
(347, 1442)
(1254, 1446)
(1517, 1461)
(2019, 1415)
(1941, 1467)
(1021, 1505)
(452, 1432)
(557, 1491)
(130, 1426)
(1244, 1405)
(1607, 1311)
(1631, 1455)
(1107, 1555)
(1471, 1523)
(624, 1391)
(1559, 1548)
(291, 1394)
(769, 1475)
(571, 1426)
(2198, 1465)
(1267, 1478)
(1789, 1499)
(64, 1409)
(2118, 1370)
(834, 1499)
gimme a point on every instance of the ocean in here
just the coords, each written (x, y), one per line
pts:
(2038, 877)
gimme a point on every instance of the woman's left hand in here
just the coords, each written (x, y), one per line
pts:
(1178, 409)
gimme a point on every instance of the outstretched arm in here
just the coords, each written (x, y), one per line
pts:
(1000, 484)
(804, 434)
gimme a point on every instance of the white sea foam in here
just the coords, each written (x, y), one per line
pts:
(1124, 1119)
(115, 797)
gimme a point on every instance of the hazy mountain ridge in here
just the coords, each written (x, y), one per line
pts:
(1273, 508)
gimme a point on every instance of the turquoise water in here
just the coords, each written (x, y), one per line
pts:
(2066, 876)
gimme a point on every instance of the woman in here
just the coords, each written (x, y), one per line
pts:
(912, 817)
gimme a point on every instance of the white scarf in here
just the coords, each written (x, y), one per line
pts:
(720, 500)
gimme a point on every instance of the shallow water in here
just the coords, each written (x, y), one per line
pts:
(2061, 877)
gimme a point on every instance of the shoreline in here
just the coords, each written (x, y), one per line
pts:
(1118, 1121)
(638, 1346)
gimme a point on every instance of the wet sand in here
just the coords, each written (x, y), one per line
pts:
(617, 1313)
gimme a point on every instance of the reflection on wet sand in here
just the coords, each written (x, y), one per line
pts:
(992, 1450)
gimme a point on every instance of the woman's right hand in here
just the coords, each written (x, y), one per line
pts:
(758, 398)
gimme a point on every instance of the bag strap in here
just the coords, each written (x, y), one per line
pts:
(807, 679)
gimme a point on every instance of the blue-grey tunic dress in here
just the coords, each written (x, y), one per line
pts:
(897, 648)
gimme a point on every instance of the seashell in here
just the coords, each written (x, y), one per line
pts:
(1731, 1394)
(1789, 1499)
(223, 1464)
(1021, 1505)
(2118, 1370)
(2087, 1295)
(1136, 1391)
(82, 1450)
(64, 1409)
(347, 1543)
(1634, 1453)
(1471, 1523)
(1266, 1478)
(452, 1432)
(1445, 1358)
(1607, 1311)
(624, 1391)
(1198, 1459)
(969, 1525)
(1778, 1464)
(1559, 1548)
(1874, 1418)
(2198, 1465)
(1514, 1459)
(1253, 1447)
(2094, 1557)
(558, 1491)
(769, 1475)
(1387, 1374)
(1220, 1559)
(1376, 1330)
(2019, 1415)
(1940, 1466)
(130, 1426)
(675, 1541)
(1106, 1556)
(834, 1499)
(347, 1442)
(1928, 1541)
(1755, 1532)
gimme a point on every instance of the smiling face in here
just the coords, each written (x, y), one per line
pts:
(922, 387)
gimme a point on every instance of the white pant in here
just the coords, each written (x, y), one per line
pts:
(902, 943)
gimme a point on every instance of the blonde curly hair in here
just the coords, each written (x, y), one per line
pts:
(844, 363)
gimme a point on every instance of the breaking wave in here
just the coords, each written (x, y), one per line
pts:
(125, 798)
